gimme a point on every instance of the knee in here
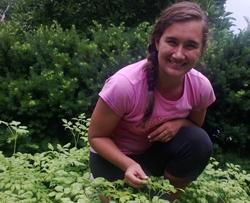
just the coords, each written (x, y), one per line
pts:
(199, 142)
(191, 151)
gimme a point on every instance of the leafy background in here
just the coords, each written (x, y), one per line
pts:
(61, 174)
(54, 58)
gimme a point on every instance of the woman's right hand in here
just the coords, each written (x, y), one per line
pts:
(135, 176)
(103, 123)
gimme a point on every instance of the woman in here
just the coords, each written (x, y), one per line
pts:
(148, 118)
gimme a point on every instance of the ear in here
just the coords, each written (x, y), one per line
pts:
(157, 41)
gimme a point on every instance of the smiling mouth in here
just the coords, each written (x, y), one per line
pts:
(177, 64)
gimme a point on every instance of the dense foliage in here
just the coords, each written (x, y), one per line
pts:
(32, 13)
(49, 74)
(228, 67)
(45, 75)
(54, 59)
(61, 174)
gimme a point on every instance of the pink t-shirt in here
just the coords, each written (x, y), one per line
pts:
(126, 94)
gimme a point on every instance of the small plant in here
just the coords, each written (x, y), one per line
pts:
(62, 175)
(159, 187)
(78, 128)
(217, 185)
(15, 130)
(156, 190)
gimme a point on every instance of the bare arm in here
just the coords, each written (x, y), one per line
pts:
(197, 117)
(103, 122)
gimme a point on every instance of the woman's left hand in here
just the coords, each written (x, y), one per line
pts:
(166, 131)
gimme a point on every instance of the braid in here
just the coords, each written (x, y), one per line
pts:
(151, 70)
(179, 12)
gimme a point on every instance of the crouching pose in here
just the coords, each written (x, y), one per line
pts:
(147, 121)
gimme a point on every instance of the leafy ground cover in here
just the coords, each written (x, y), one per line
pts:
(62, 175)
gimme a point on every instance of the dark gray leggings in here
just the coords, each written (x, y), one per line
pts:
(185, 156)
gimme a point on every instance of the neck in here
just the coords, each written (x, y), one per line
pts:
(168, 83)
(170, 88)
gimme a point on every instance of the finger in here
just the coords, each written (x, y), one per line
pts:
(160, 137)
(154, 133)
(132, 184)
(157, 131)
(137, 178)
(141, 174)
(168, 138)
(134, 181)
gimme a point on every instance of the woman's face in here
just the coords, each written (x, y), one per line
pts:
(179, 48)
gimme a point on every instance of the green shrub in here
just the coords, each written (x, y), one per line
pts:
(49, 74)
(62, 175)
(216, 185)
(228, 63)
(78, 128)
(81, 13)
(15, 131)
(118, 46)
(45, 76)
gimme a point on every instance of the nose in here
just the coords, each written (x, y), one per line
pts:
(179, 53)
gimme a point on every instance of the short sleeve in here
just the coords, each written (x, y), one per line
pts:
(117, 93)
(207, 96)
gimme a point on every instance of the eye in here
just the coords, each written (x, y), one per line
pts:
(172, 42)
(191, 46)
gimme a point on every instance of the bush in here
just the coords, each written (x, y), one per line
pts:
(49, 74)
(228, 69)
(81, 13)
(230, 185)
(62, 175)
(118, 46)
(45, 76)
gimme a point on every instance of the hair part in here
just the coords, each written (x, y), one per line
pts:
(179, 12)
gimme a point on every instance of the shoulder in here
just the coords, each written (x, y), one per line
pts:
(128, 77)
(200, 87)
(198, 79)
(119, 91)
(134, 73)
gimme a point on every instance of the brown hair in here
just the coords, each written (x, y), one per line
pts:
(178, 12)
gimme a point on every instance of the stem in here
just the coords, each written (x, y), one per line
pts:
(15, 140)
(149, 194)
(221, 199)
(160, 193)
(77, 139)
(15, 137)
(10, 129)
(74, 138)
